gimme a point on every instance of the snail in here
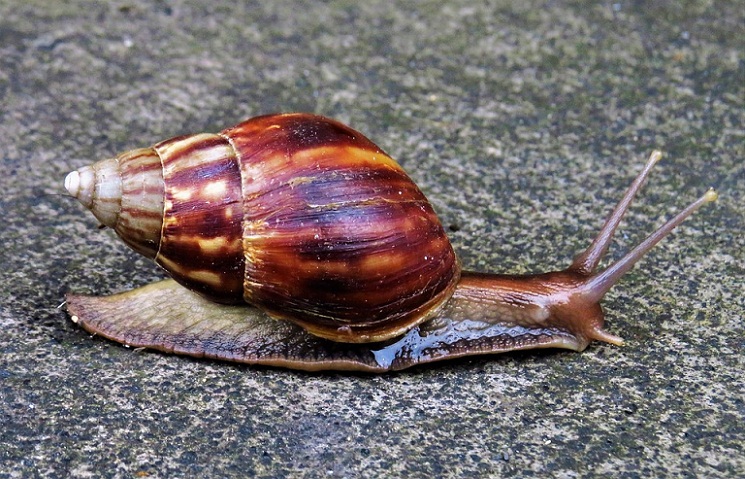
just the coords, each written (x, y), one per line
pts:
(292, 240)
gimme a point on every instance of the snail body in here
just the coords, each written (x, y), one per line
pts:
(339, 252)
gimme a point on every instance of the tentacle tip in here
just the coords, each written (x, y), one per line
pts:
(600, 334)
(655, 156)
(711, 195)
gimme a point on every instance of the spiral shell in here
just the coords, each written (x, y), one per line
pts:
(296, 214)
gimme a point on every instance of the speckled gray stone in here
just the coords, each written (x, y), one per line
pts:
(522, 125)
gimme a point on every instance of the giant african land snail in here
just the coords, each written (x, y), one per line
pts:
(310, 222)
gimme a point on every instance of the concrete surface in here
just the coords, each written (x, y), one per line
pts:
(522, 125)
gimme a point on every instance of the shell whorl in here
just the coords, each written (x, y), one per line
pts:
(126, 194)
(297, 214)
(336, 236)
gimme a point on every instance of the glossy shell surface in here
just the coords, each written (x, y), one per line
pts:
(301, 216)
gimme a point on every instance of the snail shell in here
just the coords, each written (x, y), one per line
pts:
(310, 222)
(296, 214)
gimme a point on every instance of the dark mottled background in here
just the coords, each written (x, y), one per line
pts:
(522, 125)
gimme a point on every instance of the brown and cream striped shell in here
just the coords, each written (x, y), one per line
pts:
(297, 214)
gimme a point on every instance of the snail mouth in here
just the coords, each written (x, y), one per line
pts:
(583, 316)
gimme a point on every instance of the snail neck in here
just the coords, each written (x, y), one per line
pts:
(541, 304)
